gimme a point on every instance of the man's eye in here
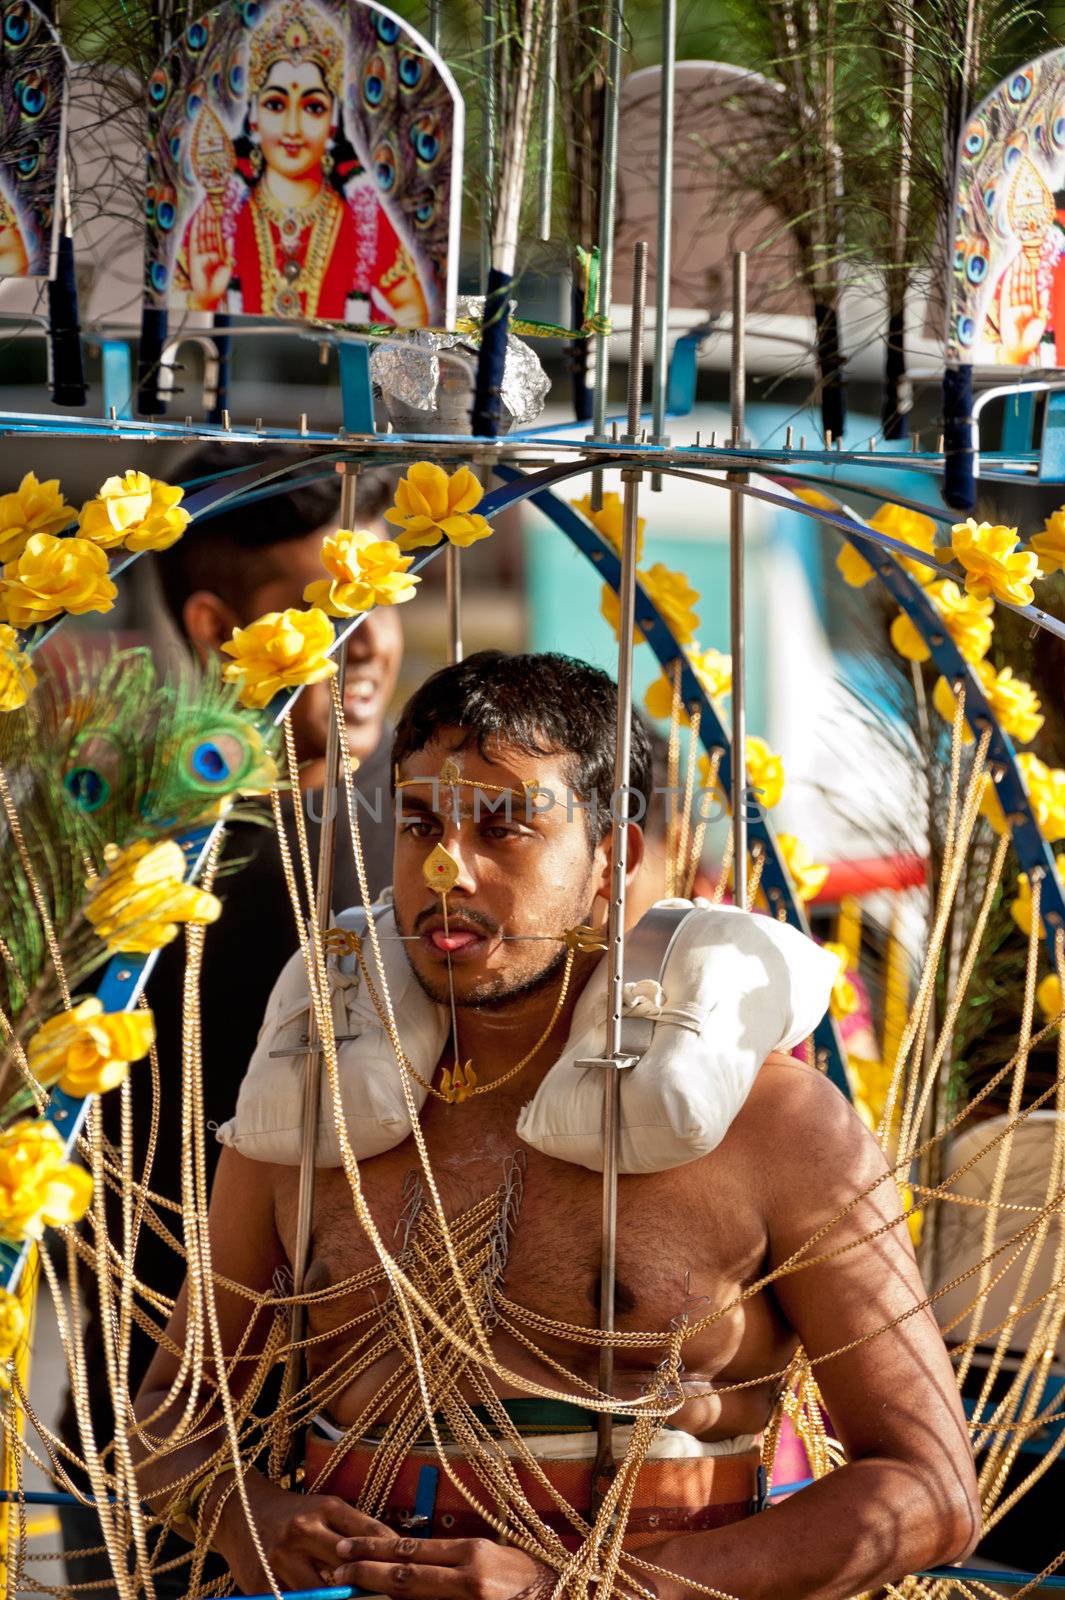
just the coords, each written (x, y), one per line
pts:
(420, 829)
(499, 830)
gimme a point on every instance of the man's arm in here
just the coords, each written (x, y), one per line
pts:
(299, 1532)
(907, 1496)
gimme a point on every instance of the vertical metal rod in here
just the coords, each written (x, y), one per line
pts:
(736, 584)
(453, 601)
(488, 154)
(619, 845)
(608, 185)
(547, 119)
(664, 244)
(312, 1066)
(434, 24)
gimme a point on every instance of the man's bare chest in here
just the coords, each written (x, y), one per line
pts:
(689, 1240)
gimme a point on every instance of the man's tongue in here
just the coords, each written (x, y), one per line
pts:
(457, 939)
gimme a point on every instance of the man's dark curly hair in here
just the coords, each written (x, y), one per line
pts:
(546, 704)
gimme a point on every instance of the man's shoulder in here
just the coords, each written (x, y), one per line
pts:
(806, 1131)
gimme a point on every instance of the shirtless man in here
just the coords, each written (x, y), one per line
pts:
(791, 1161)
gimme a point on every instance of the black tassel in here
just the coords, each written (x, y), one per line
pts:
(830, 371)
(894, 415)
(959, 483)
(66, 370)
(149, 359)
(579, 356)
(224, 346)
(492, 359)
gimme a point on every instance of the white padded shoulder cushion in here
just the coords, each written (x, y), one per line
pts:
(735, 986)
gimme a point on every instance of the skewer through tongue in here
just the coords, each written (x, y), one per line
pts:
(456, 939)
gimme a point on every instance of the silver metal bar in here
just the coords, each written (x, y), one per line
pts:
(488, 153)
(312, 1072)
(664, 243)
(608, 188)
(433, 33)
(736, 585)
(547, 119)
(453, 602)
(619, 846)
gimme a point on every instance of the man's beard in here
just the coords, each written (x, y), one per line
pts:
(496, 992)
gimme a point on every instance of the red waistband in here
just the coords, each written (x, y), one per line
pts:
(673, 1495)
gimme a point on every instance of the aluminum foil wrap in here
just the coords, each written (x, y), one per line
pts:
(425, 381)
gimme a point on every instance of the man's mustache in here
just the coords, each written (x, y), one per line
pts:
(459, 916)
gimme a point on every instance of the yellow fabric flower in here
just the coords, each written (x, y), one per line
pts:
(674, 598)
(807, 875)
(1049, 544)
(610, 520)
(853, 567)
(12, 1330)
(819, 501)
(121, 505)
(912, 528)
(366, 572)
(31, 508)
(165, 522)
(134, 510)
(844, 1001)
(87, 1051)
(1021, 908)
(282, 650)
(1046, 794)
(765, 771)
(1014, 702)
(53, 575)
(993, 563)
(870, 1082)
(17, 677)
(39, 1187)
(431, 506)
(1049, 997)
(713, 670)
(967, 619)
(136, 905)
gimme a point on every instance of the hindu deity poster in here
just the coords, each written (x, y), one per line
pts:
(1006, 304)
(304, 162)
(32, 94)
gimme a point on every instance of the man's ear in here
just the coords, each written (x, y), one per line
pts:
(208, 622)
(632, 865)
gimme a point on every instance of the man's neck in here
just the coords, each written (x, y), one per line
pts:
(495, 1038)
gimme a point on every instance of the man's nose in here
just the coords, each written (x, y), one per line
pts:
(458, 844)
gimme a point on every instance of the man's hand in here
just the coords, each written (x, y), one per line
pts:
(443, 1569)
(304, 1536)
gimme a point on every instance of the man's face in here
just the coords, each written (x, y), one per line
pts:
(374, 650)
(533, 875)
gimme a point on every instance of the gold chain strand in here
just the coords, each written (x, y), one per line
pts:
(14, 822)
(695, 856)
(672, 773)
(681, 866)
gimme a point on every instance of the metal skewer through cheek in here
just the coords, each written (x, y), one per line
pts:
(613, 1061)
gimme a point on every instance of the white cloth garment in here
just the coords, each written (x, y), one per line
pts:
(735, 986)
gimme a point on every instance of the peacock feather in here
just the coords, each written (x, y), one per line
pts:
(104, 753)
(32, 89)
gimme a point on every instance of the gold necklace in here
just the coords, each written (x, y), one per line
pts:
(292, 288)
